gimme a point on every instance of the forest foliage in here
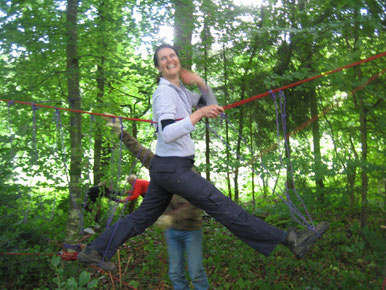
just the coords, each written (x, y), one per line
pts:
(334, 159)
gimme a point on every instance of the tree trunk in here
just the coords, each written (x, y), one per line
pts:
(73, 223)
(207, 136)
(207, 141)
(183, 30)
(226, 94)
(98, 174)
(125, 139)
(236, 184)
(349, 168)
(290, 180)
(101, 81)
(252, 54)
(363, 126)
(316, 140)
(351, 178)
(253, 172)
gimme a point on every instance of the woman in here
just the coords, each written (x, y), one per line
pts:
(171, 173)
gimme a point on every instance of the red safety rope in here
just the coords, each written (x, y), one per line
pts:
(64, 255)
(236, 104)
(329, 108)
(322, 113)
(239, 103)
(77, 111)
(27, 254)
(68, 256)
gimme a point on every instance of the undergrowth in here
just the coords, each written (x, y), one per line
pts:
(347, 257)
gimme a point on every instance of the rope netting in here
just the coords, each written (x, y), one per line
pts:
(60, 137)
(295, 213)
(239, 103)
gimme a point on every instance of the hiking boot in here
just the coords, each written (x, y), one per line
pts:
(300, 242)
(90, 256)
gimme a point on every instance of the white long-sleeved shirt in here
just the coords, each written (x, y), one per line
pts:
(176, 103)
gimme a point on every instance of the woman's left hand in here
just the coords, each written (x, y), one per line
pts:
(190, 78)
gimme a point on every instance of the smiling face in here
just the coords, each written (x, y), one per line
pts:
(168, 63)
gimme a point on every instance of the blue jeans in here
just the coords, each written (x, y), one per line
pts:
(178, 242)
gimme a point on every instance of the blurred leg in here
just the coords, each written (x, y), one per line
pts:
(193, 245)
(176, 251)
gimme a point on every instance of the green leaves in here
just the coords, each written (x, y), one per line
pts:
(63, 281)
(241, 52)
(55, 261)
(84, 278)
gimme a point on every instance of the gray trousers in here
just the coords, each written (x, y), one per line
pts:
(174, 175)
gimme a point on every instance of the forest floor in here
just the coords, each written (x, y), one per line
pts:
(346, 257)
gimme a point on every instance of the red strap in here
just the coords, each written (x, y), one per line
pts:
(68, 256)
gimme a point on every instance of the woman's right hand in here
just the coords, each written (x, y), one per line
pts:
(210, 111)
